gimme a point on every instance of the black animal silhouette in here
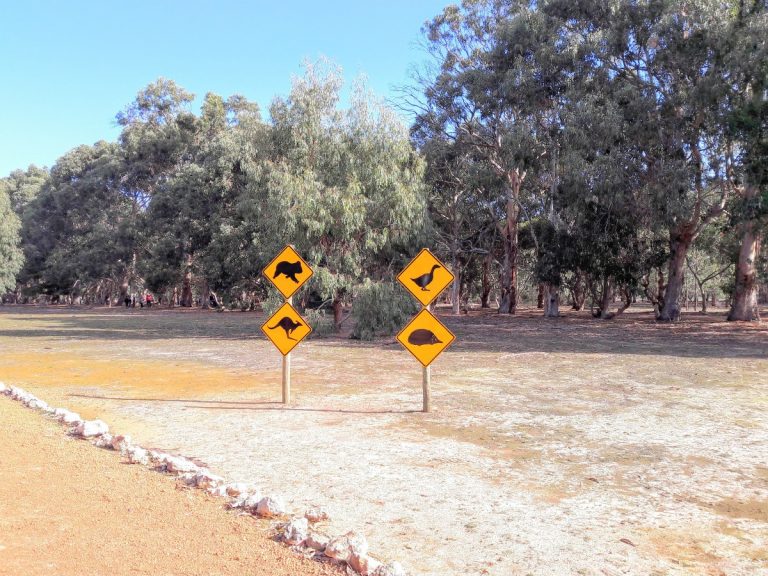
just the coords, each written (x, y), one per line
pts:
(425, 279)
(289, 269)
(287, 324)
(422, 336)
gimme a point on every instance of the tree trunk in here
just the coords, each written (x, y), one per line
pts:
(338, 311)
(606, 299)
(578, 292)
(679, 244)
(508, 303)
(540, 296)
(456, 287)
(744, 307)
(204, 293)
(485, 294)
(186, 287)
(551, 302)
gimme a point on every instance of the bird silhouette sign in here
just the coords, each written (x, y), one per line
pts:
(425, 277)
(425, 337)
(288, 271)
(286, 328)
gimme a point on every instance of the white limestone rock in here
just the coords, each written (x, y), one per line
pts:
(104, 441)
(363, 564)
(248, 501)
(389, 569)
(317, 541)
(316, 514)
(22, 395)
(67, 417)
(121, 443)
(219, 491)
(91, 428)
(237, 488)
(343, 547)
(137, 455)
(4, 389)
(296, 531)
(203, 479)
(37, 404)
(271, 507)
(179, 465)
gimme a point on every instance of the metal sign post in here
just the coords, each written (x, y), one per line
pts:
(287, 371)
(425, 382)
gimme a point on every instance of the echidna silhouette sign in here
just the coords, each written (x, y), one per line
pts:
(425, 277)
(425, 337)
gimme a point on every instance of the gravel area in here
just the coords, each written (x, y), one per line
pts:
(560, 447)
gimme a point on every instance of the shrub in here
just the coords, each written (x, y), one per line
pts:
(381, 309)
(320, 321)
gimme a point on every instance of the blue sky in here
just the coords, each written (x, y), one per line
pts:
(69, 66)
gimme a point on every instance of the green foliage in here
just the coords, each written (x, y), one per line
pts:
(272, 302)
(381, 309)
(23, 186)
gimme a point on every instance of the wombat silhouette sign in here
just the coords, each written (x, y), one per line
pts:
(288, 271)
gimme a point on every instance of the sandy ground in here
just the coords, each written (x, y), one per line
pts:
(561, 447)
(68, 508)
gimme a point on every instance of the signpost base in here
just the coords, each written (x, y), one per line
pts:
(425, 382)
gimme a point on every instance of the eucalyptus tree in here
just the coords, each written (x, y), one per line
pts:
(345, 186)
(463, 205)
(497, 81)
(156, 136)
(671, 53)
(77, 230)
(190, 213)
(748, 58)
(18, 189)
(11, 255)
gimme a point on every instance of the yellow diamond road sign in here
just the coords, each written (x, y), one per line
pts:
(288, 271)
(286, 328)
(425, 337)
(425, 277)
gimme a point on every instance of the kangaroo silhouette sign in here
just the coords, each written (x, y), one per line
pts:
(425, 337)
(286, 328)
(425, 277)
(288, 271)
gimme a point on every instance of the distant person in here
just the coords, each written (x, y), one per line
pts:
(212, 301)
(127, 301)
(149, 300)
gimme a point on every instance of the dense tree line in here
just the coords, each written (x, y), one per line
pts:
(619, 144)
(600, 150)
(192, 207)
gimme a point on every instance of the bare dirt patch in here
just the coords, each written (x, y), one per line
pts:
(67, 509)
(557, 447)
